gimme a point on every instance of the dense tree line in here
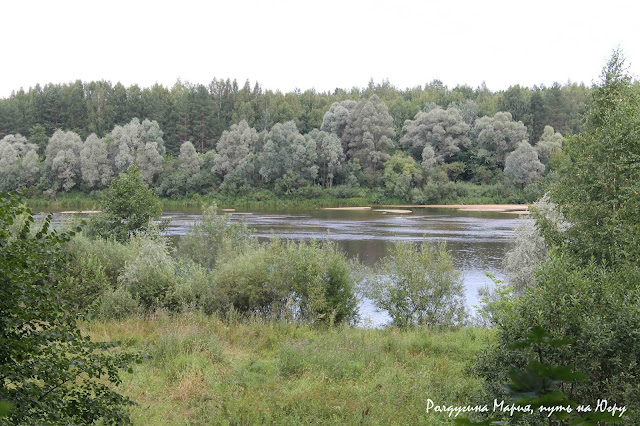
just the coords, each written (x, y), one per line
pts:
(200, 113)
(220, 137)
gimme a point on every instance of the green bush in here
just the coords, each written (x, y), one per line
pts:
(117, 304)
(150, 277)
(344, 191)
(211, 236)
(193, 290)
(418, 285)
(308, 192)
(84, 281)
(597, 308)
(111, 254)
(306, 282)
(127, 208)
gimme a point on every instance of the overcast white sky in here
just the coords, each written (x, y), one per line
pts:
(307, 43)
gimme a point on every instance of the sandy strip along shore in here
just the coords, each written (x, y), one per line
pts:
(504, 208)
(392, 211)
(347, 208)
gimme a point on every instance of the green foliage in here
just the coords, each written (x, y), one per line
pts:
(369, 134)
(595, 307)
(305, 282)
(537, 390)
(599, 173)
(401, 173)
(49, 372)
(522, 165)
(367, 124)
(210, 237)
(527, 254)
(150, 276)
(588, 289)
(116, 304)
(193, 290)
(111, 254)
(127, 207)
(85, 281)
(418, 285)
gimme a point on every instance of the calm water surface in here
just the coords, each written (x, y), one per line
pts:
(478, 241)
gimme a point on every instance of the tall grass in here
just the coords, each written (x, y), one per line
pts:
(202, 370)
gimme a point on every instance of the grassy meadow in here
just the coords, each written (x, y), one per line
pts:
(200, 370)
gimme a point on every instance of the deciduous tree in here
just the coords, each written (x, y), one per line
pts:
(522, 165)
(550, 142)
(497, 136)
(330, 154)
(51, 373)
(444, 130)
(236, 152)
(94, 162)
(369, 134)
(63, 159)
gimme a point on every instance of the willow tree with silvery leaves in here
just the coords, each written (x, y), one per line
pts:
(95, 164)
(369, 135)
(236, 156)
(418, 284)
(63, 159)
(550, 143)
(336, 118)
(444, 131)
(19, 163)
(522, 166)
(497, 136)
(138, 143)
(330, 155)
(286, 151)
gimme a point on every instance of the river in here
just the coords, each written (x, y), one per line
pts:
(478, 241)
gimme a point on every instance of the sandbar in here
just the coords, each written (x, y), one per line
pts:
(501, 208)
(347, 208)
(392, 211)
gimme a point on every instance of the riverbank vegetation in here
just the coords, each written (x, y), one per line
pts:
(378, 145)
(586, 290)
(230, 330)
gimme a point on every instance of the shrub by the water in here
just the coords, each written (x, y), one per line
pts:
(419, 285)
(150, 276)
(307, 282)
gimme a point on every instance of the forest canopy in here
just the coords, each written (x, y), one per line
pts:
(220, 137)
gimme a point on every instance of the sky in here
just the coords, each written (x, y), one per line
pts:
(307, 44)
